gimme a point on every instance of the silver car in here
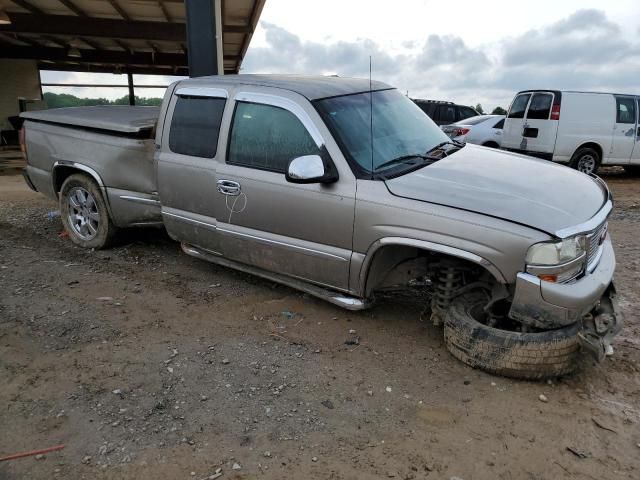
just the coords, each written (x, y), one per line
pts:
(342, 188)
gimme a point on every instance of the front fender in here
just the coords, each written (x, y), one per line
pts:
(366, 261)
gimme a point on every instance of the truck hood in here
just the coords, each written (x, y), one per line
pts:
(529, 191)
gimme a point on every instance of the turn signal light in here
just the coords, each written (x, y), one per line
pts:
(548, 278)
(555, 112)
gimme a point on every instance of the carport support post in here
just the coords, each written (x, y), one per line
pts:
(132, 94)
(204, 37)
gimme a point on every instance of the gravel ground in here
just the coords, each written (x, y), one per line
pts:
(146, 364)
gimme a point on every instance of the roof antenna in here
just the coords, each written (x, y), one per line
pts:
(371, 114)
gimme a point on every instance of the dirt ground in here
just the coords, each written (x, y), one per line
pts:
(146, 364)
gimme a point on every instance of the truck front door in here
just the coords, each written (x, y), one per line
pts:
(300, 230)
(186, 165)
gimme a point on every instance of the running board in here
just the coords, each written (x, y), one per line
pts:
(342, 300)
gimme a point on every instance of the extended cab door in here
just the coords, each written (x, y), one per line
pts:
(624, 131)
(186, 164)
(301, 230)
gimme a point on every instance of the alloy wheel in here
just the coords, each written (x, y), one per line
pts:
(84, 217)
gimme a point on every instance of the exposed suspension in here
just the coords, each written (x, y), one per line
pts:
(448, 280)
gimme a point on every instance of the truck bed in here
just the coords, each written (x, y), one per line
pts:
(112, 144)
(124, 119)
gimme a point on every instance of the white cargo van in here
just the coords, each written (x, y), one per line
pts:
(582, 129)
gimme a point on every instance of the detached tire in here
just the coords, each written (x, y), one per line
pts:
(529, 356)
(84, 213)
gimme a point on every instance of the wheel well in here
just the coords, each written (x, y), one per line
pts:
(593, 145)
(491, 144)
(399, 264)
(61, 173)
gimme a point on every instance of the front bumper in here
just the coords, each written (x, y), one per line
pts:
(551, 305)
(590, 300)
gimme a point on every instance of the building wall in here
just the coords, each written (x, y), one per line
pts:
(18, 78)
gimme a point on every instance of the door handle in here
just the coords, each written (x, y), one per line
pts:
(228, 187)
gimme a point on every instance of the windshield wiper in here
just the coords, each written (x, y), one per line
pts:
(403, 159)
(455, 143)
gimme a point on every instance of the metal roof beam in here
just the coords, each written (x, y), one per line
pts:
(99, 56)
(102, 27)
(27, 6)
(73, 7)
(121, 11)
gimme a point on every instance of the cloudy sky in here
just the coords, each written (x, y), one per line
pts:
(467, 51)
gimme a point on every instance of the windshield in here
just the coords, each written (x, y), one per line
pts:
(400, 128)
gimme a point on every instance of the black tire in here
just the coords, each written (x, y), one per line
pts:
(586, 160)
(632, 169)
(101, 231)
(491, 145)
(529, 356)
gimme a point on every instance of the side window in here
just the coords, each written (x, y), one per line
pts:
(626, 110)
(195, 126)
(437, 113)
(427, 108)
(518, 106)
(540, 106)
(466, 112)
(447, 113)
(267, 137)
(499, 125)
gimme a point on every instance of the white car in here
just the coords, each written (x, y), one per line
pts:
(482, 130)
(581, 129)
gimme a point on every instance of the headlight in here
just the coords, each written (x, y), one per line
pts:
(557, 261)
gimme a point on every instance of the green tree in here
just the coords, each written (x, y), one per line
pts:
(62, 100)
(479, 109)
(499, 111)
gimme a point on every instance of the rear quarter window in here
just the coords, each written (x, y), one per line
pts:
(195, 126)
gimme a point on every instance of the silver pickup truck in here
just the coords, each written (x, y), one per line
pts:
(343, 188)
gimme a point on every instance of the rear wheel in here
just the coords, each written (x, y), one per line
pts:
(508, 353)
(84, 213)
(632, 169)
(586, 160)
(491, 144)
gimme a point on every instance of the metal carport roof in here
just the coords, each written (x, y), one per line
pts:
(136, 36)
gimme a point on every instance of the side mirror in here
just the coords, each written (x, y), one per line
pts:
(310, 169)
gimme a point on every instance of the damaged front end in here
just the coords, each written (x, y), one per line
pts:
(590, 300)
(601, 324)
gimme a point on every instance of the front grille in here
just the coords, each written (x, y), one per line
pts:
(594, 242)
